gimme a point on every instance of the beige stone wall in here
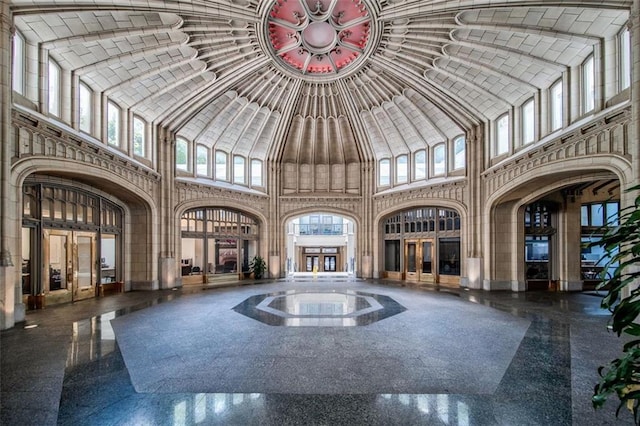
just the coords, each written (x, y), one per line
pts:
(596, 150)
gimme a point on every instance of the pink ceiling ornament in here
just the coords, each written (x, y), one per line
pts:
(319, 38)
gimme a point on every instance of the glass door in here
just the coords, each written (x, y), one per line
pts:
(411, 261)
(312, 263)
(84, 265)
(70, 263)
(330, 263)
(419, 260)
(58, 272)
(426, 267)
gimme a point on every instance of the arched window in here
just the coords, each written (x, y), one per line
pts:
(384, 175)
(439, 159)
(139, 136)
(401, 169)
(555, 105)
(113, 124)
(459, 153)
(502, 135)
(221, 165)
(256, 173)
(55, 84)
(19, 60)
(528, 122)
(202, 160)
(85, 110)
(588, 85)
(238, 170)
(624, 44)
(420, 165)
(182, 154)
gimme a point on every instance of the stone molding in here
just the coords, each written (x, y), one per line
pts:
(450, 191)
(188, 192)
(290, 204)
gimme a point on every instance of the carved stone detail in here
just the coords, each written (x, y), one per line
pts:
(452, 191)
(190, 191)
(608, 135)
(35, 138)
(291, 204)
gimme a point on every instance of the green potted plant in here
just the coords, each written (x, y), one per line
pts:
(621, 243)
(258, 267)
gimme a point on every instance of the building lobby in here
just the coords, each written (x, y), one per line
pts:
(424, 183)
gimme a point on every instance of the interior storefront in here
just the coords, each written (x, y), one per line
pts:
(423, 245)
(216, 241)
(71, 242)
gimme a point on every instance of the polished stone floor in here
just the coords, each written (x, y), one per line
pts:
(187, 357)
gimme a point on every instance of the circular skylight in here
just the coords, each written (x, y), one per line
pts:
(319, 38)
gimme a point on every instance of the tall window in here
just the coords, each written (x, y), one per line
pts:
(459, 152)
(502, 135)
(401, 169)
(54, 88)
(256, 173)
(139, 131)
(385, 172)
(528, 132)
(238, 170)
(588, 85)
(420, 164)
(625, 59)
(182, 154)
(19, 60)
(113, 124)
(202, 160)
(555, 105)
(439, 159)
(221, 165)
(84, 108)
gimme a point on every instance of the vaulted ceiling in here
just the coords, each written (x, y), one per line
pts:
(318, 81)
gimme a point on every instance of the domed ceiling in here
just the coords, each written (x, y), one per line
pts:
(318, 81)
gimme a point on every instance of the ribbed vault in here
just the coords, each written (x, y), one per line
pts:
(205, 70)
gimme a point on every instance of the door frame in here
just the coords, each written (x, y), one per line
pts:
(72, 290)
(419, 275)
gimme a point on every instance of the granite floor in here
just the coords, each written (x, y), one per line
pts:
(187, 357)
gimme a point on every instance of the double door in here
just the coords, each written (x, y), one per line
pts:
(419, 264)
(70, 263)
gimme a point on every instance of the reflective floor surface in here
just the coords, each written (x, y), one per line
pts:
(70, 369)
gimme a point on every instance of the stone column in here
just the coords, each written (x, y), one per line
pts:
(569, 241)
(274, 233)
(167, 264)
(366, 264)
(11, 307)
(472, 237)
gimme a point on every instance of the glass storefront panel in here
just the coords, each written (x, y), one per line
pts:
(57, 262)
(108, 259)
(227, 256)
(26, 260)
(449, 254)
(537, 257)
(217, 241)
(392, 255)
